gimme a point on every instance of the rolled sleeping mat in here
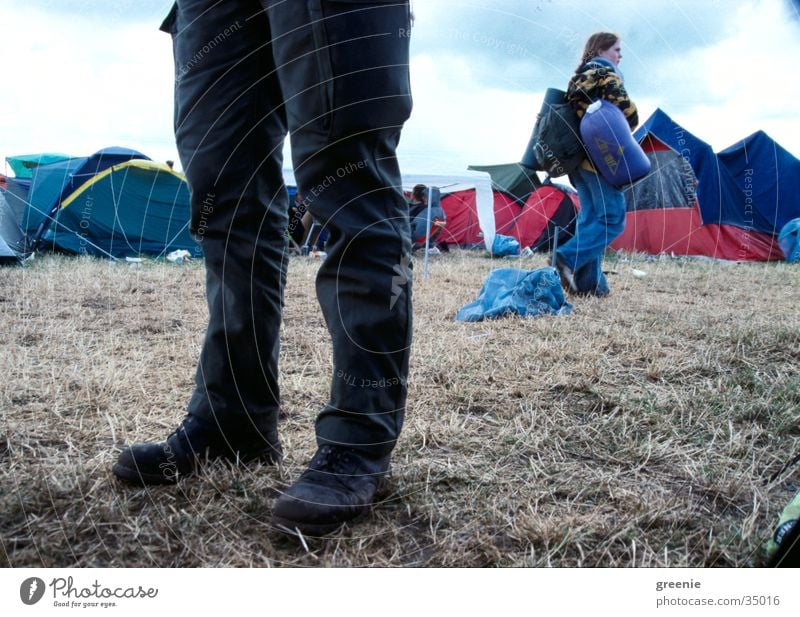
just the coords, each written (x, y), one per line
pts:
(612, 148)
(528, 158)
(552, 96)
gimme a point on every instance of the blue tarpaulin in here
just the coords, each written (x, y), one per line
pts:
(504, 246)
(508, 291)
(789, 240)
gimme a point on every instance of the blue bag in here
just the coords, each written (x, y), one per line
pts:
(789, 241)
(508, 291)
(612, 148)
(503, 246)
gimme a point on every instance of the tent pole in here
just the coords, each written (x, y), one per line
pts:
(555, 246)
(427, 233)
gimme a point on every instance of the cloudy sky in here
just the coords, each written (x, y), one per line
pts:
(83, 74)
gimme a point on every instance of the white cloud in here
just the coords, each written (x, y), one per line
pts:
(740, 84)
(75, 85)
(723, 70)
(457, 121)
(77, 82)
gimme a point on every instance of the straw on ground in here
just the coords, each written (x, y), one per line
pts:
(642, 430)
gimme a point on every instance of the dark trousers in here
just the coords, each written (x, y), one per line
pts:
(334, 74)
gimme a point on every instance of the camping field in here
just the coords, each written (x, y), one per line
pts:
(646, 429)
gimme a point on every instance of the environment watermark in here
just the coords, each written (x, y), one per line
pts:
(682, 142)
(367, 382)
(206, 49)
(744, 248)
(169, 468)
(329, 180)
(316, 191)
(689, 180)
(491, 42)
(543, 151)
(569, 37)
(565, 36)
(297, 219)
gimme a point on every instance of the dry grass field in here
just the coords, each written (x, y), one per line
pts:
(642, 430)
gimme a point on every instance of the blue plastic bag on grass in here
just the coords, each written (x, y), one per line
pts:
(508, 291)
(789, 240)
(503, 246)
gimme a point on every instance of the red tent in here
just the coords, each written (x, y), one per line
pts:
(531, 223)
(546, 208)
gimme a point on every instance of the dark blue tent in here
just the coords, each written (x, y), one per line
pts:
(720, 200)
(134, 208)
(742, 199)
(37, 199)
(769, 178)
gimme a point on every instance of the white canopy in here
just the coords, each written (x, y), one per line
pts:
(479, 181)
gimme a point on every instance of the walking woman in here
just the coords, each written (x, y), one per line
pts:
(602, 215)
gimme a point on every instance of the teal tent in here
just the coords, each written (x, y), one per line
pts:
(113, 203)
(134, 208)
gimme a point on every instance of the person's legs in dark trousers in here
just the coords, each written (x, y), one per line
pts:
(338, 72)
(230, 126)
(347, 97)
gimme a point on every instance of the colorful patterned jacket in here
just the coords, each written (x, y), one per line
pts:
(595, 80)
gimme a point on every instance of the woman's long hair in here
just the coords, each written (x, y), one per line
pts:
(599, 41)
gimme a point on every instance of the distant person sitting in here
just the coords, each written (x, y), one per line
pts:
(419, 199)
(418, 215)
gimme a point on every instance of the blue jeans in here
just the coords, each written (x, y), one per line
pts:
(600, 221)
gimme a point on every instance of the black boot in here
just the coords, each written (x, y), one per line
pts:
(191, 443)
(566, 274)
(339, 486)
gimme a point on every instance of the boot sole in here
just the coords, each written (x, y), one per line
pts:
(312, 530)
(133, 475)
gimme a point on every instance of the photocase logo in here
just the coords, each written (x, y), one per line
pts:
(31, 590)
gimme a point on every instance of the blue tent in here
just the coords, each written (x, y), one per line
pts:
(720, 200)
(134, 208)
(114, 203)
(743, 196)
(754, 184)
(769, 178)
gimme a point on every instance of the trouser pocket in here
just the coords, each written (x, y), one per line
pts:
(366, 57)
